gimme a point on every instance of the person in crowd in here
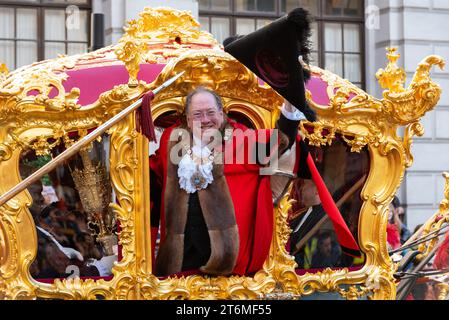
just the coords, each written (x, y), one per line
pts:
(399, 217)
(393, 235)
(328, 252)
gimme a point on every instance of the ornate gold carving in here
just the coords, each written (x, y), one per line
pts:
(125, 175)
(116, 95)
(280, 264)
(218, 71)
(354, 117)
(3, 72)
(422, 95)
(353, 293)
(436, 222)
(27, 122)
(93, 185)
(158, 35)
(42, 78)
(443, 291)
(15, 261)
(3, 247)
(393, 77)
(42, 146)
(412, 129)
(368, 120)
(364, 121)
(197, 287)
(6, 150)
(130, 53)
(317, 137)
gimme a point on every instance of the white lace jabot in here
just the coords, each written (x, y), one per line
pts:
(195, 176)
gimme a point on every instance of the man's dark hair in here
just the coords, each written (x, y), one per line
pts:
(48, 209)
(396, 203)
(201, 89)
(323, 236)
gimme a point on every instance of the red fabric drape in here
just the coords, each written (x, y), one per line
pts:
(393, 237)
(145, 123)
(344, 236)
(442, 256)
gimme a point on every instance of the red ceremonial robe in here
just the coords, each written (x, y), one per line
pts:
(252, 198)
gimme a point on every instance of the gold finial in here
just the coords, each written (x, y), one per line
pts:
(158, 35)
(393, 77)
(93, 185)
(3, 72)
(3, 68)
(444, 205)
(393, 55)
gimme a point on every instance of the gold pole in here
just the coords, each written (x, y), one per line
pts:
(67, 154)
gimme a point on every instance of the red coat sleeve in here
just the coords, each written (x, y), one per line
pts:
(157, 163)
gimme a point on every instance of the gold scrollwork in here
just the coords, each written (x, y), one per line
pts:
(412, 129)
(354, 293)
(42, 81)
(217, 70)
(158, 35)
(42, 146)
(318, 137)
(3, 72)
(368, 120)
(393, 77)
(443, 291)
(408, 105)
(6, 150)
(130, 53)
(362, 121)
(433, 225)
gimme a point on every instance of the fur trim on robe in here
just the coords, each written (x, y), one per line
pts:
(218, 211)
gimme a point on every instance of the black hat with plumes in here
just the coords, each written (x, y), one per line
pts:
(274, 54)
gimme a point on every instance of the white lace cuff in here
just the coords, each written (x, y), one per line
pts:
(293, 116)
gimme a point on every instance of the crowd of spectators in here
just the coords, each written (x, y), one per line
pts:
(67, 247)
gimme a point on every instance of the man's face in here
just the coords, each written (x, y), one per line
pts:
(309, 194)
(35, 190)
(326, 247)
(203, 112)
(390, 212)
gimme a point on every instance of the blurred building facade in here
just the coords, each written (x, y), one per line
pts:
(349, 37)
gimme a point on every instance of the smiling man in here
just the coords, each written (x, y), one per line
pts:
(204, 111)
(210, 208)
(214, 200)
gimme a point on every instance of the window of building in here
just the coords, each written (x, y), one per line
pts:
(337, 32)
(34, 30)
